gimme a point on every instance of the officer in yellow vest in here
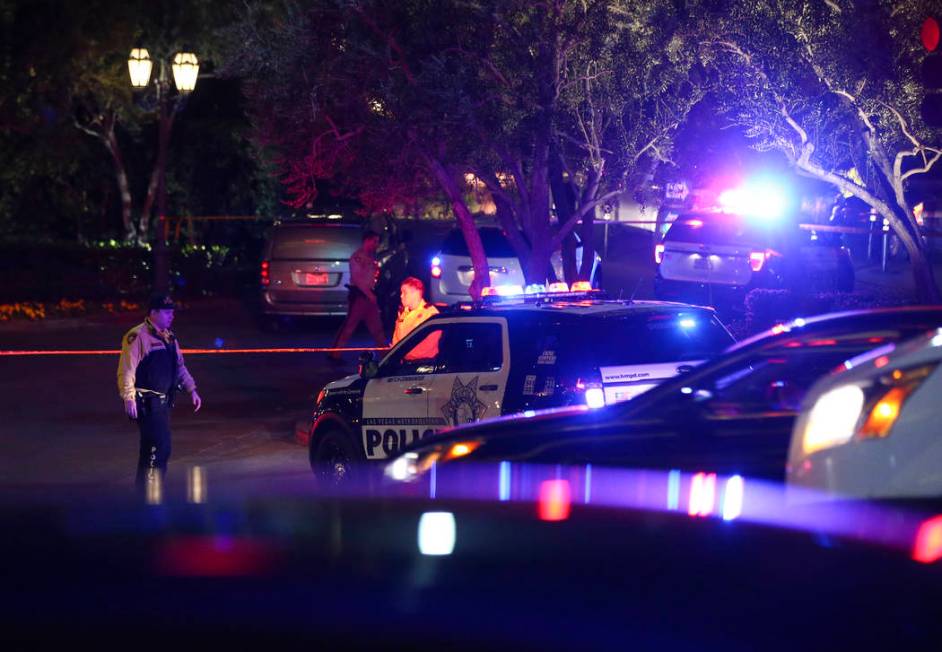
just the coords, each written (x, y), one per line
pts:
(413, 311)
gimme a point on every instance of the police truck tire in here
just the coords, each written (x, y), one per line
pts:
(333, 457)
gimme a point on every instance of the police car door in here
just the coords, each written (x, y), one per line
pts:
(471, 381)
(395, 402)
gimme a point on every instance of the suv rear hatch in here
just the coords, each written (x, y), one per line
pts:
(457, 272)
(721, 249)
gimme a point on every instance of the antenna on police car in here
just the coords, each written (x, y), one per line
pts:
(635, 291)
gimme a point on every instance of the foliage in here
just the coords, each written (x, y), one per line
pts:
(834, 87)
(63, 66)
(398, 102)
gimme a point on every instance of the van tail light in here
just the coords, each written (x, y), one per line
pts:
(264, 274)
(436, 267)
(757, 260)
(658, 253)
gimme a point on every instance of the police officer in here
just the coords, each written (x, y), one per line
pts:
(414, 309)
(149, 371)
(362, 304)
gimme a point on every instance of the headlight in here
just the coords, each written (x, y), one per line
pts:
(413, 465)
(833, 419)
(860, 412)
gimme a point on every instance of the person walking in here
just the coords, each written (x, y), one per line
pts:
(149, 370)
(362, 304)
(414, 309)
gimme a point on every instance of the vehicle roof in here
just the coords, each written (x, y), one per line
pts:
(821, 324)
(573, 306)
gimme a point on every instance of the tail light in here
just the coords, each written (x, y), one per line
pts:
(658, 253)
(757, 260)
(436, 267)
(264, 274)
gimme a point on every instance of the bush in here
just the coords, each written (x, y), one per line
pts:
(34, 271)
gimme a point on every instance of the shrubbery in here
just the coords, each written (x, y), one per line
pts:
(111, 271)
(766, 308)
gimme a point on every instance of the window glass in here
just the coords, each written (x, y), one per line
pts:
(419, 354)
(644, 338)
(495, 244)
(731, 230)
(772, 382)
(472, 348)
(305, 242)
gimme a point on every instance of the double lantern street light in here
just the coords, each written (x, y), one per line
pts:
(186, 69)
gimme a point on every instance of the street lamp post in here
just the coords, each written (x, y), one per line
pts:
(185, 69)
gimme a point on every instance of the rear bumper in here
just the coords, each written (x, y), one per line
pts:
(271, 305)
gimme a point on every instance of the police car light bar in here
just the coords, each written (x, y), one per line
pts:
(535, 290)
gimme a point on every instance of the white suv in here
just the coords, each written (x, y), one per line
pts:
(452, 273)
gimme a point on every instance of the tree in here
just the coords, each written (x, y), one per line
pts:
(534, 101)
(834, 86)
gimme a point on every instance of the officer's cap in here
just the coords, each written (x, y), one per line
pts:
(161, 302)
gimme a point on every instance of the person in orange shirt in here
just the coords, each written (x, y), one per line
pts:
(413, 311)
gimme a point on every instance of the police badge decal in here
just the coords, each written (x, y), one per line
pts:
(464, 406)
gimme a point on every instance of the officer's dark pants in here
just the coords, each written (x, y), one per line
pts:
(153, 420)
(360, 309)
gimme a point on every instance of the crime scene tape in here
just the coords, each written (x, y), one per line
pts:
(26, 353)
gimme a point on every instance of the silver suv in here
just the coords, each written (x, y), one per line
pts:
(452, 273)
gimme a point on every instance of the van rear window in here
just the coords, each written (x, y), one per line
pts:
(314, 242)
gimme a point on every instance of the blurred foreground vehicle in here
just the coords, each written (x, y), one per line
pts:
(517, 557)
(875, 429)
(733, 414)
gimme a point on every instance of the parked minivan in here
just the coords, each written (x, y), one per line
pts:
(305, 266)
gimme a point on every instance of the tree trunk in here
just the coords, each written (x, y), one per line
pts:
(507, 222)
(587, 233)
(466, 223)
(927, 290)
(568, 253)
(124, 188)
(538, 267)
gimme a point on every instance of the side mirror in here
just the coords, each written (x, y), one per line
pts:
(368, 365)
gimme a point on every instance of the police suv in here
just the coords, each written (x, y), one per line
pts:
(505, 355)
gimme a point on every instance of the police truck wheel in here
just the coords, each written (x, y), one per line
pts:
(333, 458)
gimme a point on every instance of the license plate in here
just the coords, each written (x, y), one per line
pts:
(315, 278)
(701, 263)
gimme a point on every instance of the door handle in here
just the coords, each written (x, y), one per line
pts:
(414, 390)
(488, 388)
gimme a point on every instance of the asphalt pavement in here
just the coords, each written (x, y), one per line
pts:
(64, 422)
